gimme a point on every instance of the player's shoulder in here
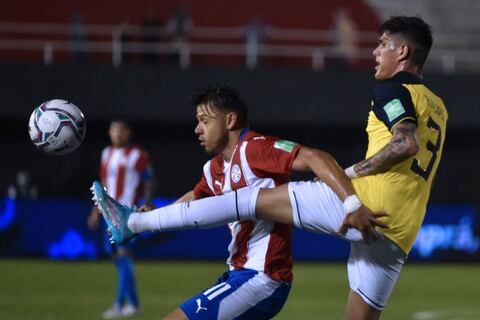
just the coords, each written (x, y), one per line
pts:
(255, 138)
(106, 150)
(257, 142)
(266, 144)
(395, 86)
(136, 148)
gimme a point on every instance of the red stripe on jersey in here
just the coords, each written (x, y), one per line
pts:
(143, 160)
(278, 263)
(138, 193)
(243, 236)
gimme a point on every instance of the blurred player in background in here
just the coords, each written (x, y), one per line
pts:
(126, 172)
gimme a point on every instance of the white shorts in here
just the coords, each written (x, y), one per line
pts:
(373, 269)
(316, 208)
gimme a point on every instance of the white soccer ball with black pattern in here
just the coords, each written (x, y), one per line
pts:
(57, 127)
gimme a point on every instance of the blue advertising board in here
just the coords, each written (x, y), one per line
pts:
(56, 228)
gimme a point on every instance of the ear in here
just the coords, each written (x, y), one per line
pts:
(231, 120)
(404, 52)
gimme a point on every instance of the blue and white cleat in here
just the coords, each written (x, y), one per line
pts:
(114, 213)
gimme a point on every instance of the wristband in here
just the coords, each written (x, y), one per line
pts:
(351, 173)
(351, 203)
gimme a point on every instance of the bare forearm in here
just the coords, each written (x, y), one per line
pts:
(401, 146)
(324, 166)
(380, 162)
(332, 174)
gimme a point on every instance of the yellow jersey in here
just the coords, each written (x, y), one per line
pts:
(403, 191)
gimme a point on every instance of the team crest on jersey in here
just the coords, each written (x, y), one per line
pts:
(236, 173)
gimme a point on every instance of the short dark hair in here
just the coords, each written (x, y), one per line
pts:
(413, 29)
(121, 121)
(223, 98)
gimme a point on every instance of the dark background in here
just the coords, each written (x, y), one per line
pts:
(325, 109)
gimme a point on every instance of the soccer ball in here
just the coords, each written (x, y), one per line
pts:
(57, 127)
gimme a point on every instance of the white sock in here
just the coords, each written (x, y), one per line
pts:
(204, 213)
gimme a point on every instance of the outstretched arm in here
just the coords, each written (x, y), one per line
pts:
(189, 196)
(402, 145)
(324, 166)
(92, 219)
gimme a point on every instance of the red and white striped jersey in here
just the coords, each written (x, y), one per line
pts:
(266, 162)
(122, 171)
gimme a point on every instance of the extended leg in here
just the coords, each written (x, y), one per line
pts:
(358, 309)
(274, 205)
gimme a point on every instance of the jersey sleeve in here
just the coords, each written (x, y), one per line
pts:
(271, 157)
(202, 190)
(392, 104)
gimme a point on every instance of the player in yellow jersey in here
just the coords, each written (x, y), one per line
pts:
(406, 130)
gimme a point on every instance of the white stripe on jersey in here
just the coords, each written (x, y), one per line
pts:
(208, 175)
(258, 244)
(131, 179)
(260, 235)
(248, 174)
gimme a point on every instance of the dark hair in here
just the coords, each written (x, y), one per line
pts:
(121, 121)
(222, 98)
(415, 30)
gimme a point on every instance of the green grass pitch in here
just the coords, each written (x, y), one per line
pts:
(40, 289)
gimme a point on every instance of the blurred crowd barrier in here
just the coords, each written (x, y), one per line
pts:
(250, 45)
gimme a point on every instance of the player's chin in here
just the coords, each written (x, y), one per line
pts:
(208, 150)
(379, 75)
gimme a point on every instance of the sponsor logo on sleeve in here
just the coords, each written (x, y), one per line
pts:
(285, 145)
(394, 109)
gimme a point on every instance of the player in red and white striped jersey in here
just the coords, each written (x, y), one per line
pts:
(256, 161)
(123, 171)
(126, 173)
